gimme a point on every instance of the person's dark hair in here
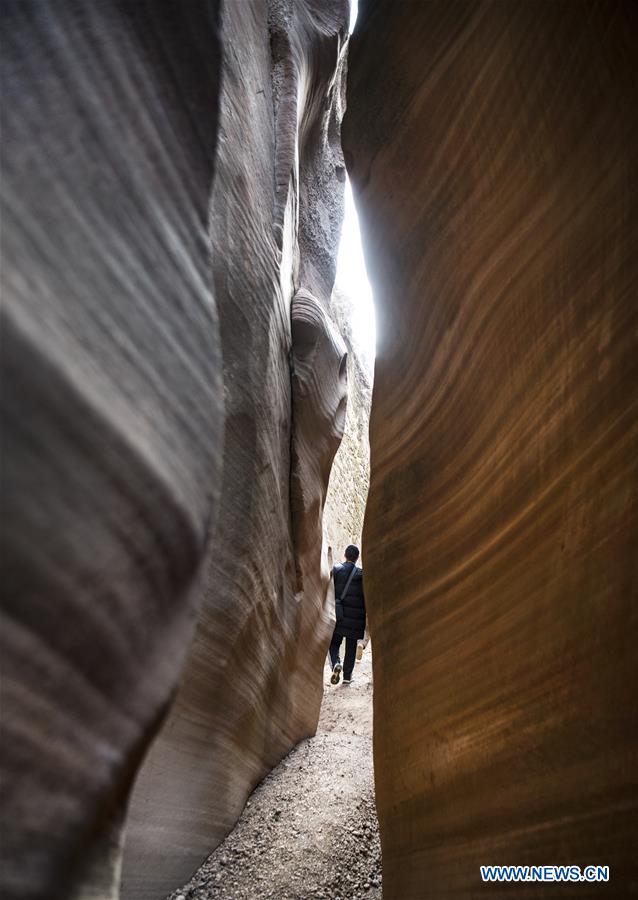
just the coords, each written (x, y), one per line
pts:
(352, 553)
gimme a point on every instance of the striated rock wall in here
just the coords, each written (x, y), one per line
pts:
(252, 687)
(350, 474)
(147, 339)
(112, 412)
(492, 149)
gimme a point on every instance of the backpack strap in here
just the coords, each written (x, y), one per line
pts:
(345, 590)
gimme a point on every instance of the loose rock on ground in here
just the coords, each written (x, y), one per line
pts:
(309, 831)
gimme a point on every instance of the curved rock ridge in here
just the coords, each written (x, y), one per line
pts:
(112, 412)
(319, 397)
(493, 149)
(252, 685)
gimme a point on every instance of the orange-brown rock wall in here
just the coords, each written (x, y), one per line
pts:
(493, 152)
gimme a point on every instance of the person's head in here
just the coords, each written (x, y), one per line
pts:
(352, 553)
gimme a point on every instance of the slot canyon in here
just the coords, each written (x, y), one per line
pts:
(185, 405)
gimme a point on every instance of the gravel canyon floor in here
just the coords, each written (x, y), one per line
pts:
(310, 829)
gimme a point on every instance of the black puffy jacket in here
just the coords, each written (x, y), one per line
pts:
(353, 623)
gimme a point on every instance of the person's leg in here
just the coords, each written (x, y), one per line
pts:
(348, 663)
(335, 645)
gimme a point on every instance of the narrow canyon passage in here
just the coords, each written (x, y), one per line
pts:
(310, 829)
(190, 443)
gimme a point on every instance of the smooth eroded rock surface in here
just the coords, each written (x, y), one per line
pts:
(112, 411)
(251, 687)
(492, 149)
(150, 262)
(350, 473)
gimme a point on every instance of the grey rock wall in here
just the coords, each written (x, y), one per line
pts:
(252, 685)
(350, 474)
(112, 412)
(156, 231)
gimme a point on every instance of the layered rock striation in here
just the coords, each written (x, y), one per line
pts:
(252, 685)
(157, 228)
(492, 149)
(112, 412)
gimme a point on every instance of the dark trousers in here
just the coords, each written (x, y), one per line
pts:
(351, 652)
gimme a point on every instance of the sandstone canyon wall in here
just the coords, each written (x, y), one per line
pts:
(493, 152)
(112, 411)
(252, 687)
(161, 322)
(350, 473)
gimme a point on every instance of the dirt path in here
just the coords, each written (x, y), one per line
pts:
(310, 828)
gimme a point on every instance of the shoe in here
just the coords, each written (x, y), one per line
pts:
(347, 680)
(359, 652)
(336, 674)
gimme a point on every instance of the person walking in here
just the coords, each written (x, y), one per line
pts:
(350, 613)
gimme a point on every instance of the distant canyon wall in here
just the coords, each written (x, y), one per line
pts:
(493, 153)
(350, 474)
